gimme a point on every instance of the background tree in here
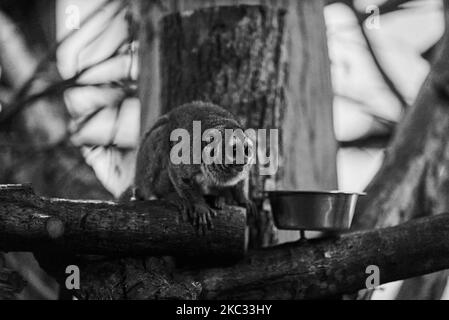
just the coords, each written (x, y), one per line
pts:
(268, 64)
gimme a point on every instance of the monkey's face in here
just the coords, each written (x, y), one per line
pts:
(231, 160)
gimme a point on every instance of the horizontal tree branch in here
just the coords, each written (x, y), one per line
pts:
(371, 141)
(333, 266)
(301, 270)
(32, 223)
(312, 269)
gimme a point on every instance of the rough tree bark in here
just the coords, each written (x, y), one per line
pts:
(311, 269)
(301, 270)
(32, 223)
(414, 178)
(329, 267)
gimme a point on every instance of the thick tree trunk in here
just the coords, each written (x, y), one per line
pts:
(267, 64)
(414, 178)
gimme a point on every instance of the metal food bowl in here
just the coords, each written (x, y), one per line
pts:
(313, 210)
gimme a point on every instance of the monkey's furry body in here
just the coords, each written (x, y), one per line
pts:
(188, 184)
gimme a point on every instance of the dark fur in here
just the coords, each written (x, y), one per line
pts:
(186, 184)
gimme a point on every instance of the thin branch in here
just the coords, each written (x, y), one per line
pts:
(371, 141)
(15, 109)
(391, 85)
(50, 54)
(368, 110)
(5, 95)
(57, 88)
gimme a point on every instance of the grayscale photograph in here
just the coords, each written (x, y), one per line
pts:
(240, 153)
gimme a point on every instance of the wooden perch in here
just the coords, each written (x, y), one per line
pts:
(333, 266)
(32, 223)
(312, 269)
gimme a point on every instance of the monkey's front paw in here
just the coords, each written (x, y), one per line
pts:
(219, 202)
(201, 217)
(199, 214)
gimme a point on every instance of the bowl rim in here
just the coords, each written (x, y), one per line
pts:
(319, 192)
